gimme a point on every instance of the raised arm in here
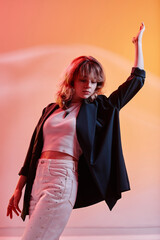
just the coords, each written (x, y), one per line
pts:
(135, 81)
(138, 48)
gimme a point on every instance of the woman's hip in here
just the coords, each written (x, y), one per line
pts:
(56, 179)
(56, 168)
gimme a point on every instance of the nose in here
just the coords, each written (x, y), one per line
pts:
(88, 84)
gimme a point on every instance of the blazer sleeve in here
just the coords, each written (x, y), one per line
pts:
(24, 170)
(128, 89)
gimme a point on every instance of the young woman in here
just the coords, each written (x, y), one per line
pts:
(75, 156)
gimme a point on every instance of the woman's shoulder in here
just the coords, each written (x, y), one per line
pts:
(105, 103)
(50, 105)
(102, 99)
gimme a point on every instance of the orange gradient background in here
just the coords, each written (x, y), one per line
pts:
(38, 40)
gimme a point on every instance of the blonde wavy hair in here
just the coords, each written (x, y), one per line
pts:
(83, 65)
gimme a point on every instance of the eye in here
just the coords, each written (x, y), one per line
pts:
(93, 82)
(82, 80)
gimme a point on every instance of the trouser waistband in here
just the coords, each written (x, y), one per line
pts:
(60, 162)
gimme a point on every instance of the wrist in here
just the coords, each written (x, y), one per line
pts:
(138, 43)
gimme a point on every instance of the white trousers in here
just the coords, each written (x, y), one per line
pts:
(52, 199)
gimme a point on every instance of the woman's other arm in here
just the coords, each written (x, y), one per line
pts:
(138, 48)
(14, 200)
(135, 81)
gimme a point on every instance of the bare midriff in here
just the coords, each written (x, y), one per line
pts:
(57, 155)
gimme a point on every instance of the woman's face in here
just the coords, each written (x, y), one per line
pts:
(84, 87)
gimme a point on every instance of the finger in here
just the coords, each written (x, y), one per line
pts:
(16, 205)
(9, 209)
(11, 203)
(142, 27)
(15, 211)
(7, 212)
(10, 213)
(134, 39)
(19, 209)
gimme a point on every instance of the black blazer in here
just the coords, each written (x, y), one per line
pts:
(102, 171)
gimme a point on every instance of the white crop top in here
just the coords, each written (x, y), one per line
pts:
(59, 131)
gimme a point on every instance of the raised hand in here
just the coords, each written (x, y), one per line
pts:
(138, 38)
(138, 48)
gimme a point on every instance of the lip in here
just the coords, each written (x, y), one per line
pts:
(87, 92)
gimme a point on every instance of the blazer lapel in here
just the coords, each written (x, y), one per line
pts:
(51, 109)
(86, 126)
